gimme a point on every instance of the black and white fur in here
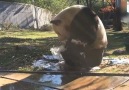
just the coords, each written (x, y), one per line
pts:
(80, 26)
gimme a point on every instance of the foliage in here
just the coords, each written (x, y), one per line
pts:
(57, 5)
(23, 1)
(90, 3)
(52, 5)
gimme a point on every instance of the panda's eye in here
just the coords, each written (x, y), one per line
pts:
(56, 22)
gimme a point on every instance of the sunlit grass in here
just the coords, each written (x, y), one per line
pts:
(27, 34)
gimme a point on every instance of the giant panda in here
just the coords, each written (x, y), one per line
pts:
(83, 35)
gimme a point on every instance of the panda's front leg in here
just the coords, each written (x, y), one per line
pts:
(74, 56)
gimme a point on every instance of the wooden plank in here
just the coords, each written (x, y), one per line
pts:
(124, 86)
(95, 83)
(17, 76)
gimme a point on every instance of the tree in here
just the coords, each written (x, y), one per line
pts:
(90, 3)
(8, 0)
(112, 8)
(52, 5)
(117, 20)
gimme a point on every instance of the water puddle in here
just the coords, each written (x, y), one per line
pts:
(114, 61)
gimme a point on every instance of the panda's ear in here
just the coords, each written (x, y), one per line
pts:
(55, 22)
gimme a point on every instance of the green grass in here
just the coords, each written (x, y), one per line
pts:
(116, 41)
(26, 34)
(19, 48)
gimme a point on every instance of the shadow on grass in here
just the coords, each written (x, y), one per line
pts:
(19, 40)
(16, 52)
(117, 40)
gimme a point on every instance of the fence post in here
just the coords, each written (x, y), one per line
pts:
(128, 12)
(35, 15)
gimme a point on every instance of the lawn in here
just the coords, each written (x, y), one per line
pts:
(19, 48)
(116, 41)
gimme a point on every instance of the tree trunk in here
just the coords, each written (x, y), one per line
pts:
(78, 1)
(89, 3)
(117, 20)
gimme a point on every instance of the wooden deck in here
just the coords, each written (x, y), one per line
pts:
(98, 83)
(82, 83)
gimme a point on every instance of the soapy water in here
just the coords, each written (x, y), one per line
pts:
(44, 64)
(56, 52)
(51, 62)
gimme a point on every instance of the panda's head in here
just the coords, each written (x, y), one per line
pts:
(62, 21)
(80, 23)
